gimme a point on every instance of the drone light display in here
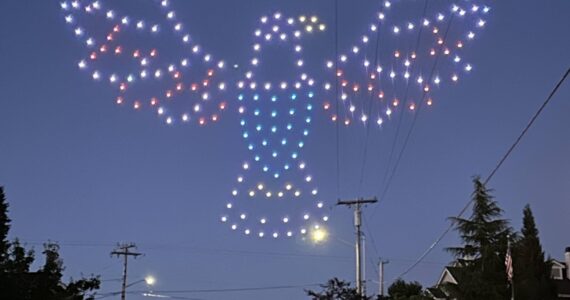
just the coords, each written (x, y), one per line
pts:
(403, 56)
(175, 77)
(276, 118)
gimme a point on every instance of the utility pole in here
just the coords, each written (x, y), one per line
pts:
(125, 251)
(381, 264)
(357, 205)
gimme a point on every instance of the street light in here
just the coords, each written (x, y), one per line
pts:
(319, 235)
(149, 280)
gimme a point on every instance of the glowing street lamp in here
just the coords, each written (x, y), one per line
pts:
(319, 235)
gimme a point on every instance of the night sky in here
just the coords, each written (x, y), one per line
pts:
(83, 172)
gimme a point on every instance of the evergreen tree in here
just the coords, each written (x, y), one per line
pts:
(17, 282)
(4, 228)
(531, 270)
(481, 258)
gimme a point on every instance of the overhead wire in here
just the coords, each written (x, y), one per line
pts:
(491, 175)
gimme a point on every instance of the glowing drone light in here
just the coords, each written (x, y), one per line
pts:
(179, 88)
(397, 48)
(275, 143)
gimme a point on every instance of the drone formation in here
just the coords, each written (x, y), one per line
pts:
(395, 65)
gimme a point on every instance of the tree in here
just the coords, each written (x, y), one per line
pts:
(531, 270)
(17, 282)
(481, 257)
(401, 290)
(336, 289)
(4, 228)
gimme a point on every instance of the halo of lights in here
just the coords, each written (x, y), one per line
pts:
(182, 85)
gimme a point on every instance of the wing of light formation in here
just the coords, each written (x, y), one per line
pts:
(275, 195)
(407, 53)
(151, 60)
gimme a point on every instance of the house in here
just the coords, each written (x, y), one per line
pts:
(560, 273)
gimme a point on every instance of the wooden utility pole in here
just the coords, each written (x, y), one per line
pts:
(357, 205)
(124, 250)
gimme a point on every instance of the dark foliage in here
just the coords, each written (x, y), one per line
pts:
(17, 282)
(481, 258)
(336, 289)
(531, 270)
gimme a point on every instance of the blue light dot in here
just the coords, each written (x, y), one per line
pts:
(245, 135)
(240, 97)
(256, 112)
(309, 107)
(255, 97)
(264, 142)
(273, 114)
(301, 144)
(292, 111)
(265, 168)
(258, 127)
(276, 175)
(250, 147)
(286, 166)
(283, 142)
(274, 98)
(242, 122)
(308, 120)
(294, 155)
(311, 94)
(289, 126)
(305, 132)
(273, 129)
(257, 158)
(293, 96)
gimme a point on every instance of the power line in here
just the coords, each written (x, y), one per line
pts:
(414, 120)
(233, 290)
(336, 100)
(492, 174)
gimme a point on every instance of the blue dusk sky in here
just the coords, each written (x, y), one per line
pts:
(87, 173)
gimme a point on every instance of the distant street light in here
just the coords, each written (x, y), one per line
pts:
(149, 280)
(319, 235)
